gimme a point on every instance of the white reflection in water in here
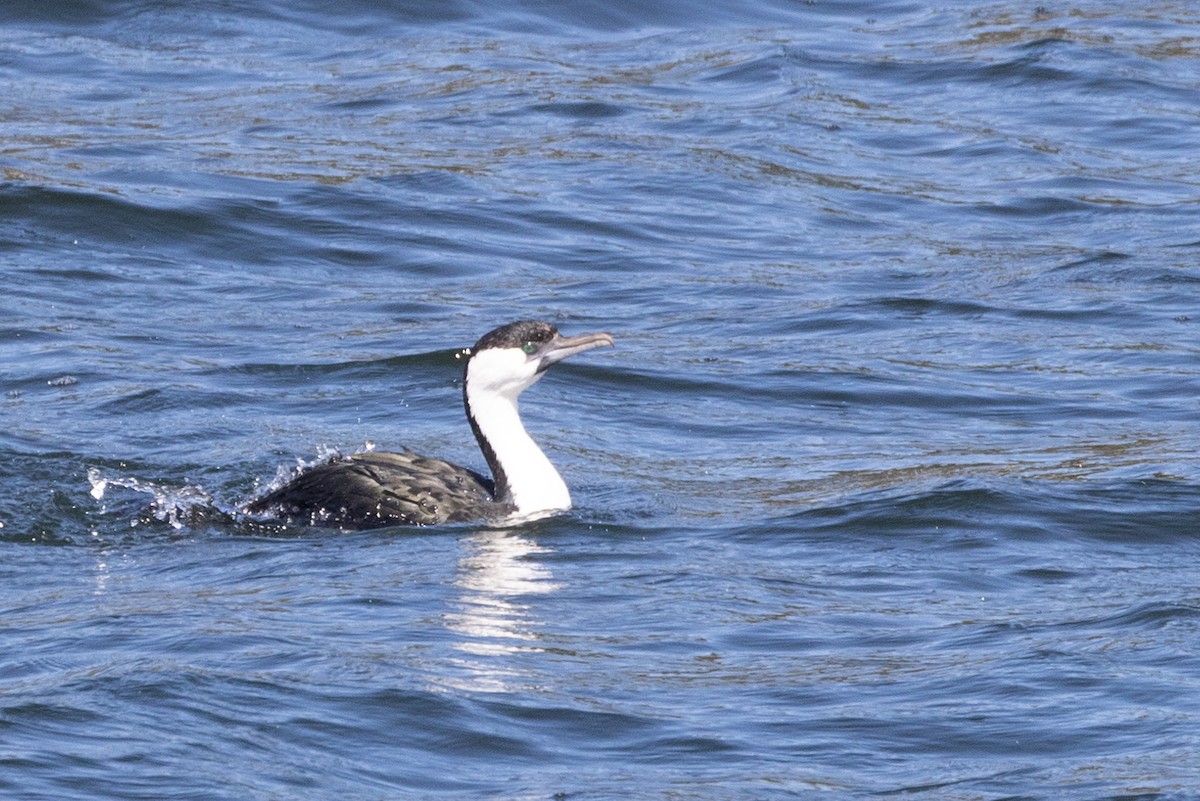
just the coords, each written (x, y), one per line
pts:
(102, 573)
(497, 572)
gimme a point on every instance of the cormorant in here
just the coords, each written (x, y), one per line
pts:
(370, 490)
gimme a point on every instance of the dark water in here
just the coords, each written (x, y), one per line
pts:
(890, 488)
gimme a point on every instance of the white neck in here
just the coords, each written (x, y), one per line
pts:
(533, 485)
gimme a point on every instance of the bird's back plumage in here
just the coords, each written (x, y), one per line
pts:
(371, 490)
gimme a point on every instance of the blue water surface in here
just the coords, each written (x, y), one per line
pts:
(890, 486)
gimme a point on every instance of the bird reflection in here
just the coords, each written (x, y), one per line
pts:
(495, 575)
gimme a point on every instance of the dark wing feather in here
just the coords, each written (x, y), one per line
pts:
(371, 490)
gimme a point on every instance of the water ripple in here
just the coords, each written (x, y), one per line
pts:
(889, 486)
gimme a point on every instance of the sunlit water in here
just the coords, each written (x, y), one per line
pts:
(890, 486)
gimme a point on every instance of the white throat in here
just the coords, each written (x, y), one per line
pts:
(493, 385)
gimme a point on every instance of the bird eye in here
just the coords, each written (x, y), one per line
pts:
(529, 348)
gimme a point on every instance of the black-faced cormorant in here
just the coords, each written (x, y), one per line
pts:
(369, 490)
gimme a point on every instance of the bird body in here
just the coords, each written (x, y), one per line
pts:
(370, 490)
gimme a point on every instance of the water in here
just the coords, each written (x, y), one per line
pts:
(890, 486)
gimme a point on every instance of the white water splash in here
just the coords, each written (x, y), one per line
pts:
(173, 505)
